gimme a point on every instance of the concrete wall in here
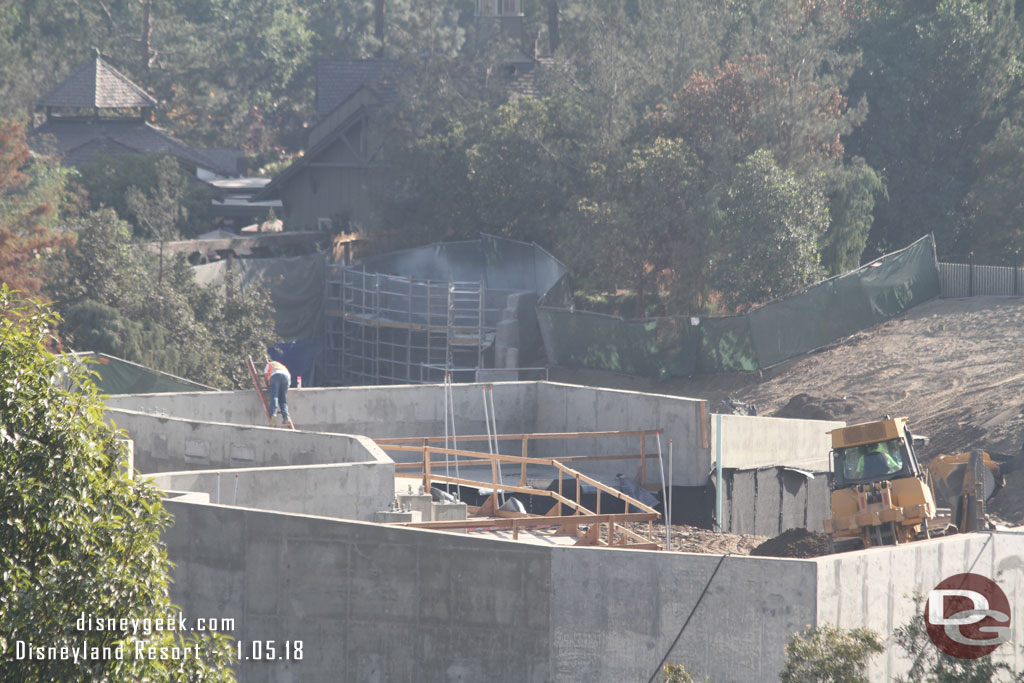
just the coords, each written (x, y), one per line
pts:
(374, 603)
(407, 410)
(875, 588)
(750, 442)
(571, 408)
(169, 444)
(347, 491)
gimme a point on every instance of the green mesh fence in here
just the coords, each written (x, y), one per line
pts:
(772, 333)
(658, 347)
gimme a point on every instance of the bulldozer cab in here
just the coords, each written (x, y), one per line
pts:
(872, 452)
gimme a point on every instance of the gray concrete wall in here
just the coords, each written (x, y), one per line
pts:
(614, 614)
(750, 442)
(768, 501)
(169, 444)
(875, 588)
(370, 603)
(347, 491)
(571, 408)
(407, 410)
(374, 603)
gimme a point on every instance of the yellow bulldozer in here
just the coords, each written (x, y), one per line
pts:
(882, 495)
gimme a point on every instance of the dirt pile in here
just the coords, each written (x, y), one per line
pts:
(807, 407)
(794, 543)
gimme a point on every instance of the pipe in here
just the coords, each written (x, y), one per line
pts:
(670, 480)
(664, 496)
(447, 473)
(494, 430)
(718, 472)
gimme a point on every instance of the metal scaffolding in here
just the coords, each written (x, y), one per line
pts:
(390, 329)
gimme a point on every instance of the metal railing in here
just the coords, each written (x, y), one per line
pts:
(958, 280)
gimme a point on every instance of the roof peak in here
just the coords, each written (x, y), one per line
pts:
(96, 85)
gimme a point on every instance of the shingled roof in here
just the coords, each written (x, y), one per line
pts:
(337, 79)
(96, 85)
(81, 142)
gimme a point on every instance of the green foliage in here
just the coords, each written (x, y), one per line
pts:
(148, 190)
(79, 535)
(824, 654)
(677, 673)
(930, 665)
(772, 226)
(938, 77)
(116, 299)
(31, 199)
(996, 202)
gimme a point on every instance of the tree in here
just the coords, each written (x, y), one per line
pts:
(824, 654)
(170, 200)
(641, 226)
(31, 197)
(772, 224)
(79, 536)
(996, 202)
(113, 302)
(931, 665)
(939, 77)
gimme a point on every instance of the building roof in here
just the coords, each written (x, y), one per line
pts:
(82, 141)
(339, 79)
(96, 85)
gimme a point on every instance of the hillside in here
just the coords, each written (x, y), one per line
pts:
(953, 366)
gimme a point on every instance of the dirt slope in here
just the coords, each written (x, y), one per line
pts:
(953, 366)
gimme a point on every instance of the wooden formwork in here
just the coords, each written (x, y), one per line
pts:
(584, 524)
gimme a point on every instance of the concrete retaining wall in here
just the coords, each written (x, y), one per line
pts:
(407, 410)
(373, 603)
(751, 442)
(169, 444)
(875, 588)
(570, 408)
(347, 491)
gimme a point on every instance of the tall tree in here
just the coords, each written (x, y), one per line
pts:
(772, 221)
(938, 77)
(31, 197)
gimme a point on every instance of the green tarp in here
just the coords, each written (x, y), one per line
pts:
(118, 376)
(656, 347)
(772, 333)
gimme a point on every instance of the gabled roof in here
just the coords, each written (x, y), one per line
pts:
(339, 79)
(83, 141)
(96, 85)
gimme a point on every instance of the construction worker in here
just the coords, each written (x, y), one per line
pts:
(278, 378)
(876, 460)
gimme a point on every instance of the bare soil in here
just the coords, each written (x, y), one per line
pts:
(794, 543)
(952, 366)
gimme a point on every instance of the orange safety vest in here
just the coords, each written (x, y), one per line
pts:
(273, 366)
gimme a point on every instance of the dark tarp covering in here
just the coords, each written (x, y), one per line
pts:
(303, 358)
(117, 376)
(296, 285)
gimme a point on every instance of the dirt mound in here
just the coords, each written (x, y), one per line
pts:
(794, 543)
(807, 407)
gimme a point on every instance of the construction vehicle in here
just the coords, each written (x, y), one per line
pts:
(882, 495)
